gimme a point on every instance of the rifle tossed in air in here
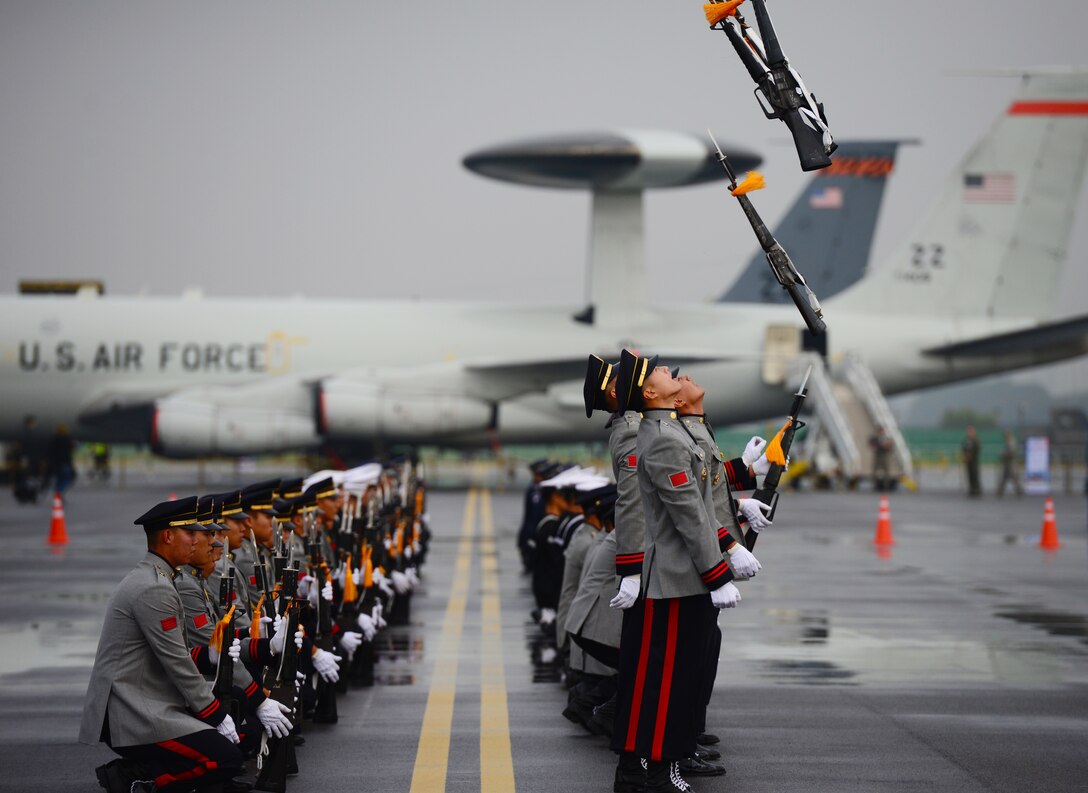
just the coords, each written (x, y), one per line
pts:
(777, 259)
(781, 92)
(777, 451)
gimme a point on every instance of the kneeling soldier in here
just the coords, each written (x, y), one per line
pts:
(146, 700)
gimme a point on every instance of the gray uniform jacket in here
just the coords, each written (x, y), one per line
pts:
(573, 561)
(144, 679)
(725, 510)
(201, 614)
(683, 556)
(590, 615)
(630, 527)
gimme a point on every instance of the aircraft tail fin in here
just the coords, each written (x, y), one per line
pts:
(830, 226)
(994, 241)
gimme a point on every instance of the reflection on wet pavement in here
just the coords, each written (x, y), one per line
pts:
(1053, 622)
(811, 673)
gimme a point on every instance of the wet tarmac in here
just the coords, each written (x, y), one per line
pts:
(955, 660)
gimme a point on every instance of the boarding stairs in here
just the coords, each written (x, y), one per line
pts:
(847, 404)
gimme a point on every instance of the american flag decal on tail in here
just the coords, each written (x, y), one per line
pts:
(989, 188)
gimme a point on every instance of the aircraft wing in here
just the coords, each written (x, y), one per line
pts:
(1065, 333)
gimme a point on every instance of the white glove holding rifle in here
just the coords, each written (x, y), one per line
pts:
(273, 717)
(755, 512)
(743, 562)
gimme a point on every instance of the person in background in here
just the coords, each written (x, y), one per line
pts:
(970, 451)
(1010, 466)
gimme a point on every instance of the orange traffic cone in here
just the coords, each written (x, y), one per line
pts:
(58, 534)
(1048, 541)
(884, 524)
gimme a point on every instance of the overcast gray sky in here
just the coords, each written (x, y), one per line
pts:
(274, 147)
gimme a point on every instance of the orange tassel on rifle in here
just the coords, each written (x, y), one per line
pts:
(774, 453)
(350, 592)
(368, 567)
(255, 626)
(716, 12)
(753, 181)
(217, 635)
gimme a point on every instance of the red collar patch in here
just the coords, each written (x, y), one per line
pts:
(632, 461)
(679, 479)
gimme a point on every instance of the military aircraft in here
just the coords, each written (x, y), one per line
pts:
(971, 292)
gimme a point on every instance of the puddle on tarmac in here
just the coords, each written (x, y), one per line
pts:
(543, 656)
(808, 672)
(1056, 623)
(809, 626)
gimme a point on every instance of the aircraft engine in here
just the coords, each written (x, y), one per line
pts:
(350, 409)
(233, 421)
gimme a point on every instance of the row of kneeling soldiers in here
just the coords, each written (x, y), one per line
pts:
(251, 611)
(629, 572)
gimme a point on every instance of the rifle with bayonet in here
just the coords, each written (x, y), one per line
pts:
(325, 711)
(777, 451)
(777, 258)
(223, 688)
(264, 580)
(780, 91)
(277, 757)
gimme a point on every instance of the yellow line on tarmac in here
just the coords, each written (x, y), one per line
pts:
(432, 756)
(496, 760)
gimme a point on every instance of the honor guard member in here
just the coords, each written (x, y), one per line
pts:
(600, 393)
(291, 520)
(579, 538)
(723, 512)
(533, 512)
(232, 520)
(597, 684)
(685, 576)
(257, 545)
(146, 700)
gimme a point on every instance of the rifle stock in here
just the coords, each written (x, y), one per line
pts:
(283, 688)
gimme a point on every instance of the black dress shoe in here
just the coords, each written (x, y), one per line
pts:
(693, 766)
(706, 753)
(708, 739)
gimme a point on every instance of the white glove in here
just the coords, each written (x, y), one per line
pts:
(725, 597)
(547, 616)
(628, 594)
(367, 626)
(401, 582)
(278, 635)
(755, 512)
(299, 636)
(264, 632)
(273, 717)
(754, 450)
(408, 551)
(376, 615)
(326, 591)
(386, 587)
(413, 577)
(357, 577)
(743, 562)
(325, 664)
(234, 651)
(341, 574)
(304, 586)
(227, 729)
(350, 642)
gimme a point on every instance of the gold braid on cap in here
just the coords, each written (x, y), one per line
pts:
(642, 376)
(607, 376)
(187, 522)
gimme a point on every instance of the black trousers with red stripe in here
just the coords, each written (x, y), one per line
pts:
(713, 651)
(182, 763)
(660, 704)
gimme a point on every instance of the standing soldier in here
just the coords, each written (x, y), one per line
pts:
(599, 393)
(971, 452)
(685, 576)
(146, 700)
(1010, 473)
(881, 445)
